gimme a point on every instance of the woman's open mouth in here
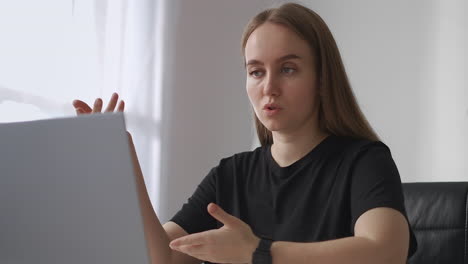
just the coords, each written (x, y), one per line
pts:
(271, 109)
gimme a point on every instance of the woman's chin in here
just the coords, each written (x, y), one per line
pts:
(273, 127)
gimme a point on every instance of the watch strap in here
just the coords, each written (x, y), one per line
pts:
(262, 255)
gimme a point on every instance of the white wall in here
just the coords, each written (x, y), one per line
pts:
(206, 113)
(406, 61)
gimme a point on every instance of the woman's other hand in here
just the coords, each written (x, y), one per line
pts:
(83, 108)
(234, 242)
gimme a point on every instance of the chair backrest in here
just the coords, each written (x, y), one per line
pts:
(438, 213)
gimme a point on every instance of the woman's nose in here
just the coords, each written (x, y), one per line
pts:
(271, 85)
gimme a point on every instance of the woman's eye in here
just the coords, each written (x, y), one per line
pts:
(256, 73)
(287, 70)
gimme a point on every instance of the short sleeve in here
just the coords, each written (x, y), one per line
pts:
(193, 217)
(376, 183)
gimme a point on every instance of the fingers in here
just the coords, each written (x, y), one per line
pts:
(97, 106)
(121, 106)
(79, 111)
(81, 107)
(220, 215)
(112, 102)
(196, 251)
(201, 238)
(194, 239)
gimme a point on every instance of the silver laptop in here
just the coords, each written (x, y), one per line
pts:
(68, 193)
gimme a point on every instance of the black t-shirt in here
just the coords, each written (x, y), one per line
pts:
(317, 198)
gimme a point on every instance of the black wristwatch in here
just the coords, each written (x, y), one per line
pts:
(262, 254)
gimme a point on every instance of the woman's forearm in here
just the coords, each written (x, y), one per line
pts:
(156, 237)
(350, 250)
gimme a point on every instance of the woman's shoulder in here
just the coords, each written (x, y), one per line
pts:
(362, 154)
(243, 159)
(355, 147)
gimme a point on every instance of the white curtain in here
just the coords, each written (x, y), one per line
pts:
(54, 51)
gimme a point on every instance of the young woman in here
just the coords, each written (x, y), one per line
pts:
(321, 189)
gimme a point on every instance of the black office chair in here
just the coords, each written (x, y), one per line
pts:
(438, 214)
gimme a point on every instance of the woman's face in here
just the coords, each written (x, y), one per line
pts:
(281, 79)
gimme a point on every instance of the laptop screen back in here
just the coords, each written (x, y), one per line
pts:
(68, 193)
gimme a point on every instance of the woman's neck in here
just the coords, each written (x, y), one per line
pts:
(291, 147)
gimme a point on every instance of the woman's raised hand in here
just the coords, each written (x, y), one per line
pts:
(154, 232)
(83, 108)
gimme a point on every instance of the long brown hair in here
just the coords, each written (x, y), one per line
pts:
(339, 112)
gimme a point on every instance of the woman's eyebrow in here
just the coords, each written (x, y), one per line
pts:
(288, 57)
(282, 58)
(253, 62)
